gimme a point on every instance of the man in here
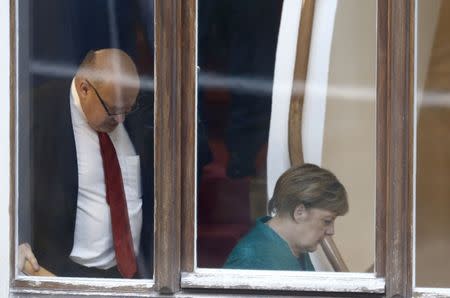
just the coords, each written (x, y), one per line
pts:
(92, 174)
(306, 201)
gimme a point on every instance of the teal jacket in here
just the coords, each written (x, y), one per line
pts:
(262, 248)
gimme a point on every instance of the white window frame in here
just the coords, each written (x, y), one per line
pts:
(5, 162)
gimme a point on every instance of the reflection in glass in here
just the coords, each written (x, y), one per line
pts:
(433, 145)
(85, 174)
(246, 59)
(236, 59)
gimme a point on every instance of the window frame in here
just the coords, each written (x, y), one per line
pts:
(397, 51)
(6, 146)
(175, 126)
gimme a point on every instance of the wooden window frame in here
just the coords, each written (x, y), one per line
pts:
(396, 20)
(175, 126)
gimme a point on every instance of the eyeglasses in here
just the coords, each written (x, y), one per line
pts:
(133, 109)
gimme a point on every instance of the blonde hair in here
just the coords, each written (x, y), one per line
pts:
(310, 185)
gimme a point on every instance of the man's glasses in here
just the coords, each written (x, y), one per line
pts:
(133, 109)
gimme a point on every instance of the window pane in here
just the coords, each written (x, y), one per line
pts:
(248, 67)
(433, 145)
(85, 137)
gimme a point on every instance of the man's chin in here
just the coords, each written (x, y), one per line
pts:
(107, 128)
(102, 128)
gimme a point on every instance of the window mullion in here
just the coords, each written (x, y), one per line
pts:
(188, 87)
(399, 69)
(167, 145)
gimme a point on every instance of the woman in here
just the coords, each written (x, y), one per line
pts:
(306, 201)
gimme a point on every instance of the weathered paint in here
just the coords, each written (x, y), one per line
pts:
(283, 280)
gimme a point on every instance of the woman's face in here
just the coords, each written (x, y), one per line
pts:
(311, 227)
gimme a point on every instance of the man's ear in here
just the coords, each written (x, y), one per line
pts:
(299, 212)
(83, 87)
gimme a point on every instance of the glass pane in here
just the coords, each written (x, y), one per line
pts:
(85, 138)
(433, 144)
(249, 64)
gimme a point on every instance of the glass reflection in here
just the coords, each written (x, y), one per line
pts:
(247, 59)
(236, 59)
(433, 145)
(86, 174)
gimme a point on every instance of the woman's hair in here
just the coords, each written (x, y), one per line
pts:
(311, 186)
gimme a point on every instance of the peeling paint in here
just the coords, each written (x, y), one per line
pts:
(283, 280)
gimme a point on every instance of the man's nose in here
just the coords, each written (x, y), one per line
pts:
(330, 230)
(119, 118)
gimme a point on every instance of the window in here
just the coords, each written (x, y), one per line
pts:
(76, 95)
(175, 267)
(247, 69)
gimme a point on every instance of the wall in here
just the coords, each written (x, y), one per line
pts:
(350, 135)
(4, 148)
(350, 127)
(433, 144)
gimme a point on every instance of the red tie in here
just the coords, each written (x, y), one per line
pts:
(115, 196)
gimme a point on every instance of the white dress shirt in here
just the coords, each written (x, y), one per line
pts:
(93, 240)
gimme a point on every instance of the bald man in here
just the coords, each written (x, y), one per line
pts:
(72, 219)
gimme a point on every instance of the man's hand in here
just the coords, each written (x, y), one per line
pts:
(26, 254)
